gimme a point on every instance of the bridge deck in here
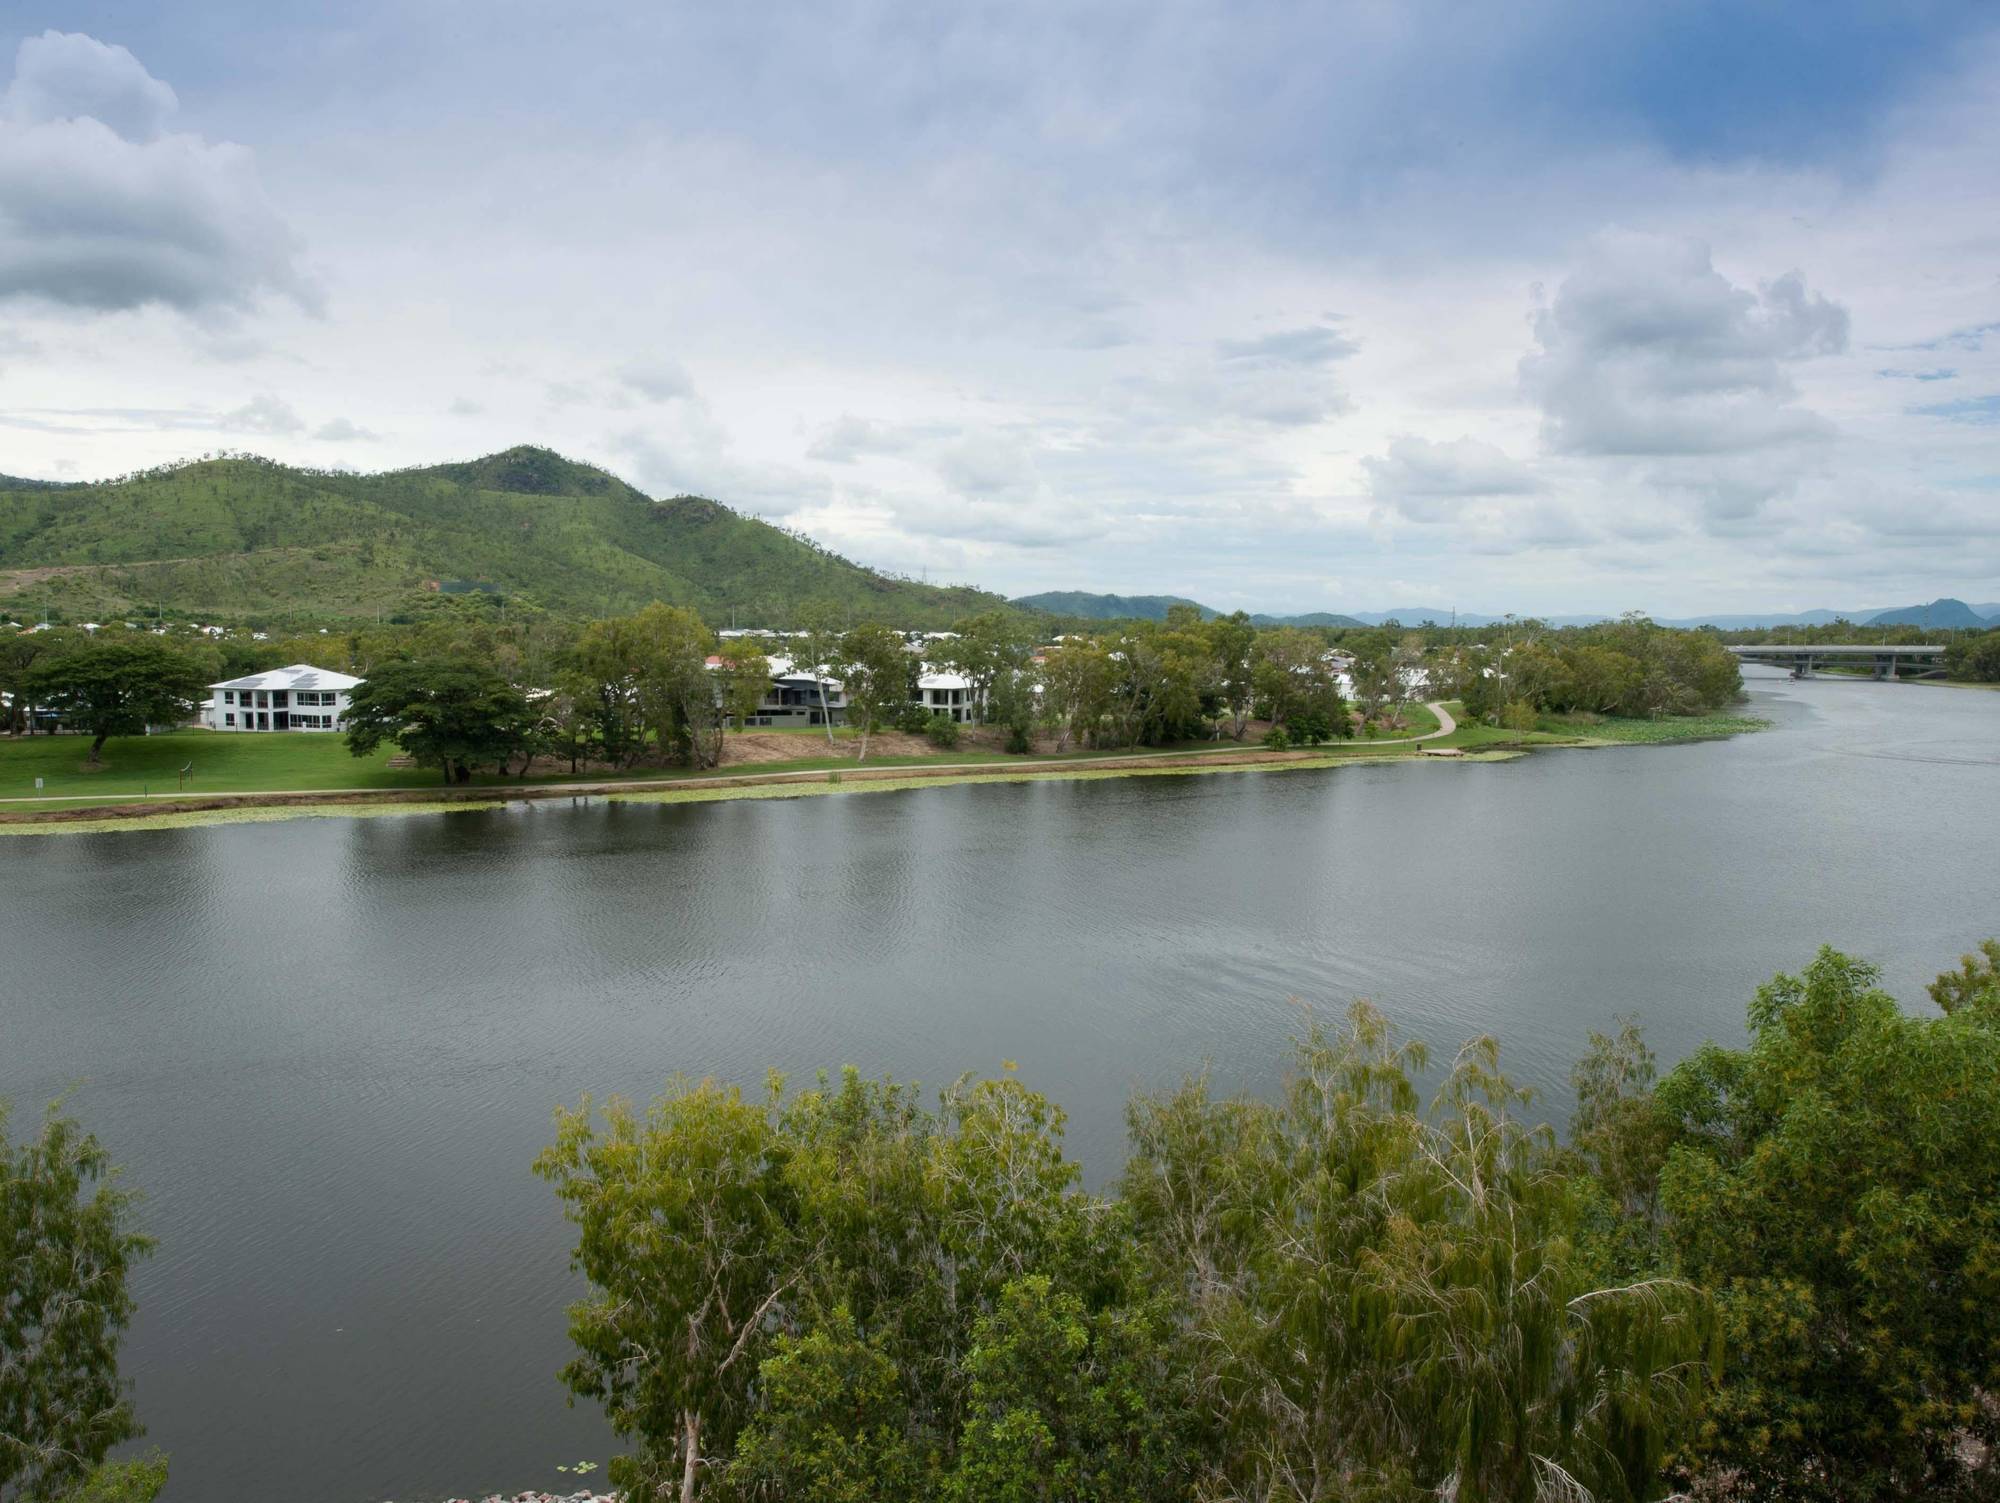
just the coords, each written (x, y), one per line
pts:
(1843, 649)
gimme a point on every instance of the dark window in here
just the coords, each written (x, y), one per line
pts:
(229, 720)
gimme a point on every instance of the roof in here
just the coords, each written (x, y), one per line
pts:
(298, 676)
(937, 678)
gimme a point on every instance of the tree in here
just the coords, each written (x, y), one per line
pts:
(1232, 644)
(453, 716)
(1076, 683)
(671, 684)
(815, 649)
(989, 647)
(833, 1425)
(876, 670)
(745, 677)
(1836, 1184)
(1394, 1301)
(67, 1245)
(1286, 670)
(1975, 658)
(117, 686)
(685, 1233)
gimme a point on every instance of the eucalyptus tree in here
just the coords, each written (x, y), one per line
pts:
(876, 669)
(67, 1248)
(1076, 678)
(815, 650)
(687, 1235)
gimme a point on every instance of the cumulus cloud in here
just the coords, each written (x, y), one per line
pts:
(658, 380)
(849, 438)
(343, 430)
(1648, 350)
(1432, 482)
(104, 208)
(1315, 345)
(263, 413)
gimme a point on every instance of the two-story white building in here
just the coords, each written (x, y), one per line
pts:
(298, 698)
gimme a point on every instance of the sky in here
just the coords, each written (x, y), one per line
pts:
(1552, 307)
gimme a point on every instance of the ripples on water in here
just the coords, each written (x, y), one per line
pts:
(328, 1049)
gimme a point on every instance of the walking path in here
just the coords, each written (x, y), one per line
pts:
(859, 771)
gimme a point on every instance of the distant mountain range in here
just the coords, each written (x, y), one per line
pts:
(1941, 614)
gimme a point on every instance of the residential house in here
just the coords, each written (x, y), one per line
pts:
(298, 698)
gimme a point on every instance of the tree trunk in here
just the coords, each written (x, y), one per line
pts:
(95, 747)
(825, 714)
(690, 1452)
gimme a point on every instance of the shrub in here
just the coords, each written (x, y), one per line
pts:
(1275, 738)
(1309, 728)
(1018, 739)
(943, 731)
(913, 719)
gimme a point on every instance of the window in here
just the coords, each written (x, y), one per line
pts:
(229, 698)
(229, 720)
(263, 700)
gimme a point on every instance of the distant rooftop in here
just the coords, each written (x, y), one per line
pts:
(298, 676)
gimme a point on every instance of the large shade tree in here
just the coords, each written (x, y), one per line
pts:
(453, 716)
(117, 686)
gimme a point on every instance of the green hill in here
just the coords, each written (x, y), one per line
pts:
(246, 539)
(1945, 613)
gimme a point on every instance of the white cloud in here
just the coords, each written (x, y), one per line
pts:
(103, 209)
(1648, 350)
(263, 413)
(658, 380)
(1432, 482)
(343, 430)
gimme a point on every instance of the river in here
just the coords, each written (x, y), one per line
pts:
(327, 1050)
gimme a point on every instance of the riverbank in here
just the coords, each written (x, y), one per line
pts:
(1449, 741)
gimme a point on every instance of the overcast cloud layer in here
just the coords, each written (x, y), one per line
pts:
(1292, 307)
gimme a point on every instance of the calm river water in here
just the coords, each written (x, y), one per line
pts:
(327, 1050)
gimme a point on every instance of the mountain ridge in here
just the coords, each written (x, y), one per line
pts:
(242, 537)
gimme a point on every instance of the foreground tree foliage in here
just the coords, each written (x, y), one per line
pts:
(1773, 1273)
(67, 1245)
(1837, 1184)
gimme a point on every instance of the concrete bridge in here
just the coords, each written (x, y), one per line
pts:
(1904, 660)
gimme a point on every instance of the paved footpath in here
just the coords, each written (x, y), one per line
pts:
(1446, 725)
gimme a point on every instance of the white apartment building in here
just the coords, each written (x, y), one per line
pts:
(298, 698)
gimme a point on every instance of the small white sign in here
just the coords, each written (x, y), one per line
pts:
(38, 785)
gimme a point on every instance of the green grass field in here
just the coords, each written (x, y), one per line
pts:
(149, 766)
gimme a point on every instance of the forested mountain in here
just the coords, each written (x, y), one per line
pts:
(1939, 614)
(242, 538)
(1109, 607)
(1153, 608)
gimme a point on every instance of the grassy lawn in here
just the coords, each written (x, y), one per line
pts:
(222, 762)
(295, 761)
(289, 761)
